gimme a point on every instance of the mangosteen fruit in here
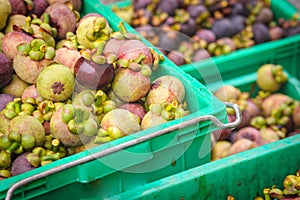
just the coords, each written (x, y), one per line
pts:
(39, 7)
(112, 46)
(124, 120)
(205, 34)
(28, 125)
(75, 4)
(4, 123)
(93, 75)
(200, 54)
(246, 132)
(28, 69)
(62, 18)
(152, 119)
(17, 20)
(240, 145)
(166, 89)
(5, 10)
(269, 135)
(265, 15)
(30, 92)
(227, 93)
(4, 99)
(219, 150)
(92, 29)
(168, 6)
(67, 57)
(21, 164)
(296, 116)
(177, 57)
(15, 87)
(11, 40)
(6, 70)
(273, 102)
(129, 85)
(61, 131)
(276, 33)
(132, 49)
(224, 28)
(18, 7)
(135, 108)
(260, 32)
(55, 82)
(271, 77)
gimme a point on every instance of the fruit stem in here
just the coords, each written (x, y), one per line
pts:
(122, 28)
(100, 48)
(54, 156)
(46, 18)
(266, 192)
(39, 151)
(140, 58)
(33, 159)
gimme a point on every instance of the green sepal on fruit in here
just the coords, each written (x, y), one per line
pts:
(271, 77)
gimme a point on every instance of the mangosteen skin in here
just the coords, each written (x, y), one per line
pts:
(223, 28)
(93, 75)
(39, 7)
(261, 32)
(6, 70)
(4, 99)
(18, 7)
(21, 165)
(62, 18)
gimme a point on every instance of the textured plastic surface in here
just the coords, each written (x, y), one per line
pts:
(242, 175)
(140, 164)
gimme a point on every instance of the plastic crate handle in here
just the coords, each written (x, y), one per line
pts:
(113, 149)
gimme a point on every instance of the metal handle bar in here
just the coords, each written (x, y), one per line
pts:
(113, 149)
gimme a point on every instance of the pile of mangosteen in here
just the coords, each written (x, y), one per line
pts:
(192, 30)
(70, 82)
(268, 115)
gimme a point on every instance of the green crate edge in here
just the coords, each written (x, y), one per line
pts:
(217, 109)
(285, 7)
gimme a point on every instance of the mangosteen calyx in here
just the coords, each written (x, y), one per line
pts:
(58, 87)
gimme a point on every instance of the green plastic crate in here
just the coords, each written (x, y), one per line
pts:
(132, 166)
(242, 175)
(288, 8)
(285, 51)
